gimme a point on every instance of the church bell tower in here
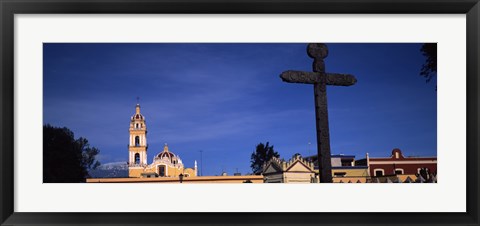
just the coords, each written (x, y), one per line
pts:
(137, 147)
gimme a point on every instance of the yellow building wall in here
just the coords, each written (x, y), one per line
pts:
(174, 172)
(350, 180)
(403, 177)
(150, 170)
(170, 171)
(351, 172)
(190, 172)
(291, 177)
(352, 175)
(135, 172)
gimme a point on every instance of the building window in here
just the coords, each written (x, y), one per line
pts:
(137, 158)
(399, 171)
(339, 174)
(378, 172)
(161, 171)
(137, 141)
(136, 125)
(346, 162)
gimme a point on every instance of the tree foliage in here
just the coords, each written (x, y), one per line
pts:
(429, 68)
(66, 159)
(424, 176)
(262, 154)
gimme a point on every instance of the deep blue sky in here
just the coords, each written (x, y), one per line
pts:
(224, 99)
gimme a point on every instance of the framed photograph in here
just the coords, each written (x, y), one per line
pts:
(210, 112)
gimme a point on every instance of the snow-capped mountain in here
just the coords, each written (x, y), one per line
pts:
(110, 170)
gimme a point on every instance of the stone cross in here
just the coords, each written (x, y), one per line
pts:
(320, 79)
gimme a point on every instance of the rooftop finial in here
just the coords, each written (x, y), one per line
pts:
(137, 107)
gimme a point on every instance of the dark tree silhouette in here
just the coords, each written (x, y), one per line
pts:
(261, 155)
(66, 160)
(429, 68)
(426, 175)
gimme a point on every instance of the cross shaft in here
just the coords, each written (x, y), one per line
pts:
(320, 79)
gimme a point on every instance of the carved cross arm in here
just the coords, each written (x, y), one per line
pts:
(304, 77)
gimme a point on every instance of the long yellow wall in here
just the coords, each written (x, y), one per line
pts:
(203, 179)
(170, 171)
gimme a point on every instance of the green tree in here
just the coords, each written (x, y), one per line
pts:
(429, 68)
(262, 154)
(66, 159)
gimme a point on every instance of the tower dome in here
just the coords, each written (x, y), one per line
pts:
(167, 156)
(137, 115)
(165, 153)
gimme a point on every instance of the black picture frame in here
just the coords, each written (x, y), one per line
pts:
(11, 7)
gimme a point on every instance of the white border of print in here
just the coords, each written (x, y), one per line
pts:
(33, 196)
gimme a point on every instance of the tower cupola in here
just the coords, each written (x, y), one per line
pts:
(137, 146)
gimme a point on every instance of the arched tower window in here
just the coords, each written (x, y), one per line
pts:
(136, 125)
(137, 141)
(137, 158)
